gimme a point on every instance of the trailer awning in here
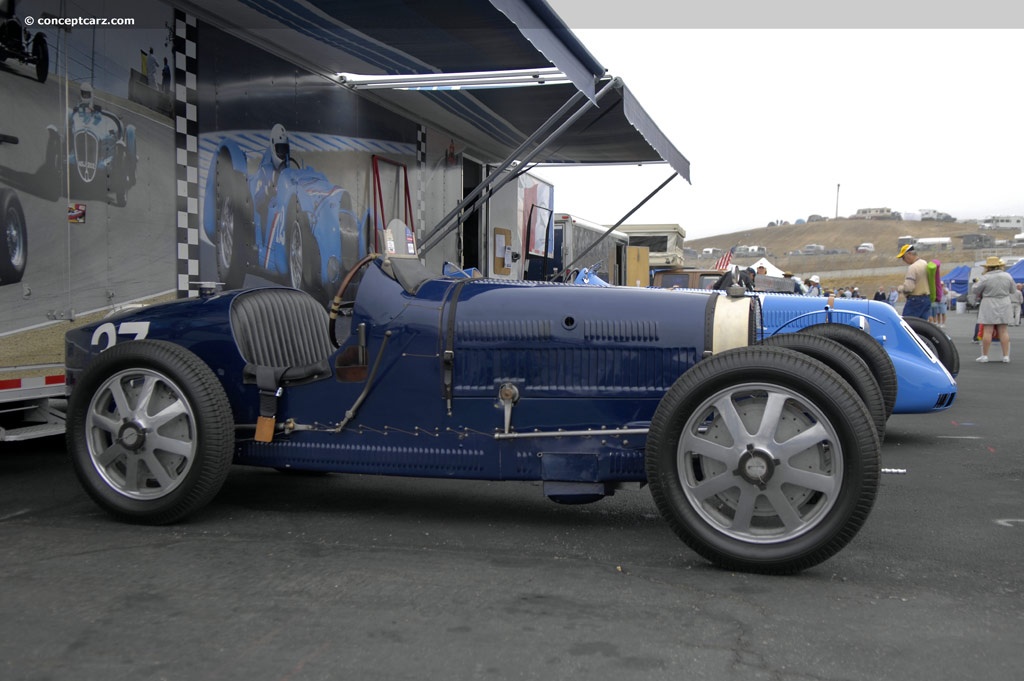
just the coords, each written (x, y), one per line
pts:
(384, 37)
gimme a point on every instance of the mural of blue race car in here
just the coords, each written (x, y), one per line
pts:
(282, 220)
(759, 458)
(102, 153)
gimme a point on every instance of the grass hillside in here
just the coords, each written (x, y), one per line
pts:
(864, 270)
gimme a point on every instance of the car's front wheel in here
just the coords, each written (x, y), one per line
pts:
(939, 341)
(150, 432)
(869, 350)
(844, 362)
(762, 460)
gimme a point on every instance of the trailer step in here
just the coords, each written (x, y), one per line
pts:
(30, 432)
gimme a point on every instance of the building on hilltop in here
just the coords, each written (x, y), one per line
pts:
(1005, 222)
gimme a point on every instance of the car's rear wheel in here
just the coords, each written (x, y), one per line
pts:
(939, 341)
(118, 180)
(234, 221)
(13, 238)
(844, 362)
(302, 253)
(761, 459)
(869, 350)
(150, 432)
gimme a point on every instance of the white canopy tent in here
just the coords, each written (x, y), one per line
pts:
(771, 270)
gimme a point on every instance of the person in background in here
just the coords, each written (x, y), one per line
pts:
(152, 69)
(880, 295)
(915, 284)
(813, 286)
(894, 295)
(995, 290)
(938, 313)
(166, 77)
(795, 282)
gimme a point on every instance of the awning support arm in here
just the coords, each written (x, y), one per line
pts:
(426, 243)
(445, 226)
(617, 224)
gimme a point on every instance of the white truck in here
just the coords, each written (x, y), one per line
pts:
(579, 243)
(664, 241)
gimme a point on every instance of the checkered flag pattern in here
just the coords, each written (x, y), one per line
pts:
(186, 139)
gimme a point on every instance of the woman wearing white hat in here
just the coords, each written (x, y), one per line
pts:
(995, 290)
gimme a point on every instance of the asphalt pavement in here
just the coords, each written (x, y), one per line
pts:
(355, 577)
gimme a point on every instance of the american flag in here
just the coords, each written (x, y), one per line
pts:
(724, 261)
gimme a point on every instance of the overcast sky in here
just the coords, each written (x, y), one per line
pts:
(773, 119)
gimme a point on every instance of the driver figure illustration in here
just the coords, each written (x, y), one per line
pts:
(86, 105)
(275, 158)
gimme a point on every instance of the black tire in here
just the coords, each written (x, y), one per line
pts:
(844, 362)
(234, 223)
(118, 180)
(869, 350)
(54, 165)
(137, 462)
(13, 238)
(777, 500)
(303, 256)
(939, 341)
(41, 56)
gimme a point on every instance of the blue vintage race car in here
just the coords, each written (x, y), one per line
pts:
(913, 361)
(923, 358)
(760, 458)
(290, 224)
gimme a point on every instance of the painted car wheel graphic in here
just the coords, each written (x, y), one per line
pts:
(13, 239)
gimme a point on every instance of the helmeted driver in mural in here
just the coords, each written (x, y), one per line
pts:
(85, 97)
(276, 158)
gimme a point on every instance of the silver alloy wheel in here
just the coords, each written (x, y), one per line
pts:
(13, 233)
(295, 255)
(760, 463)
(226, 231)
(140, 432)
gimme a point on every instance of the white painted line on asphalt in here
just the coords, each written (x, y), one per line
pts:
(15, 514)
(959, 437)
(1008, 522)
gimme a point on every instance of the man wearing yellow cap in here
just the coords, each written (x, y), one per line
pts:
(915, 285)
